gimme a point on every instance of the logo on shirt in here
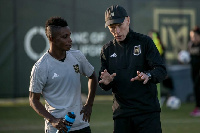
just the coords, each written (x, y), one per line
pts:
(112, 14)
(137, 50)
(114, 55)
(76, 68)
(55, 75)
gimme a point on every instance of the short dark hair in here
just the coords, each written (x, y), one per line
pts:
(196, 29)
(53, 24)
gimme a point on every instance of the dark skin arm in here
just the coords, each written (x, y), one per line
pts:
(34, 100)
(87, 108)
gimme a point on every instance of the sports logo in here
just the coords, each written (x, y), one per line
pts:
(114, 55)
(76, 68)
(55, 75)
(112, 14)
(137, 50)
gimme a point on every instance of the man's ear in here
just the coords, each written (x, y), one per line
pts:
(128, 20)
(51, 38)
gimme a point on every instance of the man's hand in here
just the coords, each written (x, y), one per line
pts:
(60, 124)
(106, 78)
(87, 111)
(140, 77)
(35, 103)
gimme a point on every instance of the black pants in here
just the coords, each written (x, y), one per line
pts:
(147, 123)
(196, 83)
(84, 130)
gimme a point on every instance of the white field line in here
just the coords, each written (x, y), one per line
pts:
(8, 101)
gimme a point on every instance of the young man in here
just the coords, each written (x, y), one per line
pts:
(56, 75)
(131, 66)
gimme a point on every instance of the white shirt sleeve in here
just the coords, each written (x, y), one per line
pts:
(38, 78)
(86, 68)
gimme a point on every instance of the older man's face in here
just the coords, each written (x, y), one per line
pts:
(119, 31)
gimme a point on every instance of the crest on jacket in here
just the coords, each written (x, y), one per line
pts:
(76, 68)
(137, 50)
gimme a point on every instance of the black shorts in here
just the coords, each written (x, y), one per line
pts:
(147, 123)
(84, 130)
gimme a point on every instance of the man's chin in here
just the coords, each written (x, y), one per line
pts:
(68, 49)
(119, 40)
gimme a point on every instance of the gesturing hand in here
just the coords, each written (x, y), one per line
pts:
(106, 78)
(140, 77)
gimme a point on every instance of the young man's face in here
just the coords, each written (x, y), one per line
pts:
(119, 31)
(62, 40)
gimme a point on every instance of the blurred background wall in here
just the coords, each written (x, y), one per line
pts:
(23, 40)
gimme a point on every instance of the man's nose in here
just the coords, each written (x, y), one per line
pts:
(117, 30)
(70, 40)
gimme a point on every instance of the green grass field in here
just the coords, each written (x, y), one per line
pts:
(19, 117)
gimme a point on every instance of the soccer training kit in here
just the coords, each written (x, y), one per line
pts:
(59, 82)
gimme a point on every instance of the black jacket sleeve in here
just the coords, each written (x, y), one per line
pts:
(155, 62)
(103, 67)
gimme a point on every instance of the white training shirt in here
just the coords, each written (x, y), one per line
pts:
(59, 82)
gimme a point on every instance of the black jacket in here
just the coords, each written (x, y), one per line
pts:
(194, 53)
(136, 53)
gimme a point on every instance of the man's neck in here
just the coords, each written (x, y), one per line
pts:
(59, 55)
(126, 39)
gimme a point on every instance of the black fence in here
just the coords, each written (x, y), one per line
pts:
(23, 41)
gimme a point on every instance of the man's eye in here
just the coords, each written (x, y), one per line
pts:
(112, 28)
